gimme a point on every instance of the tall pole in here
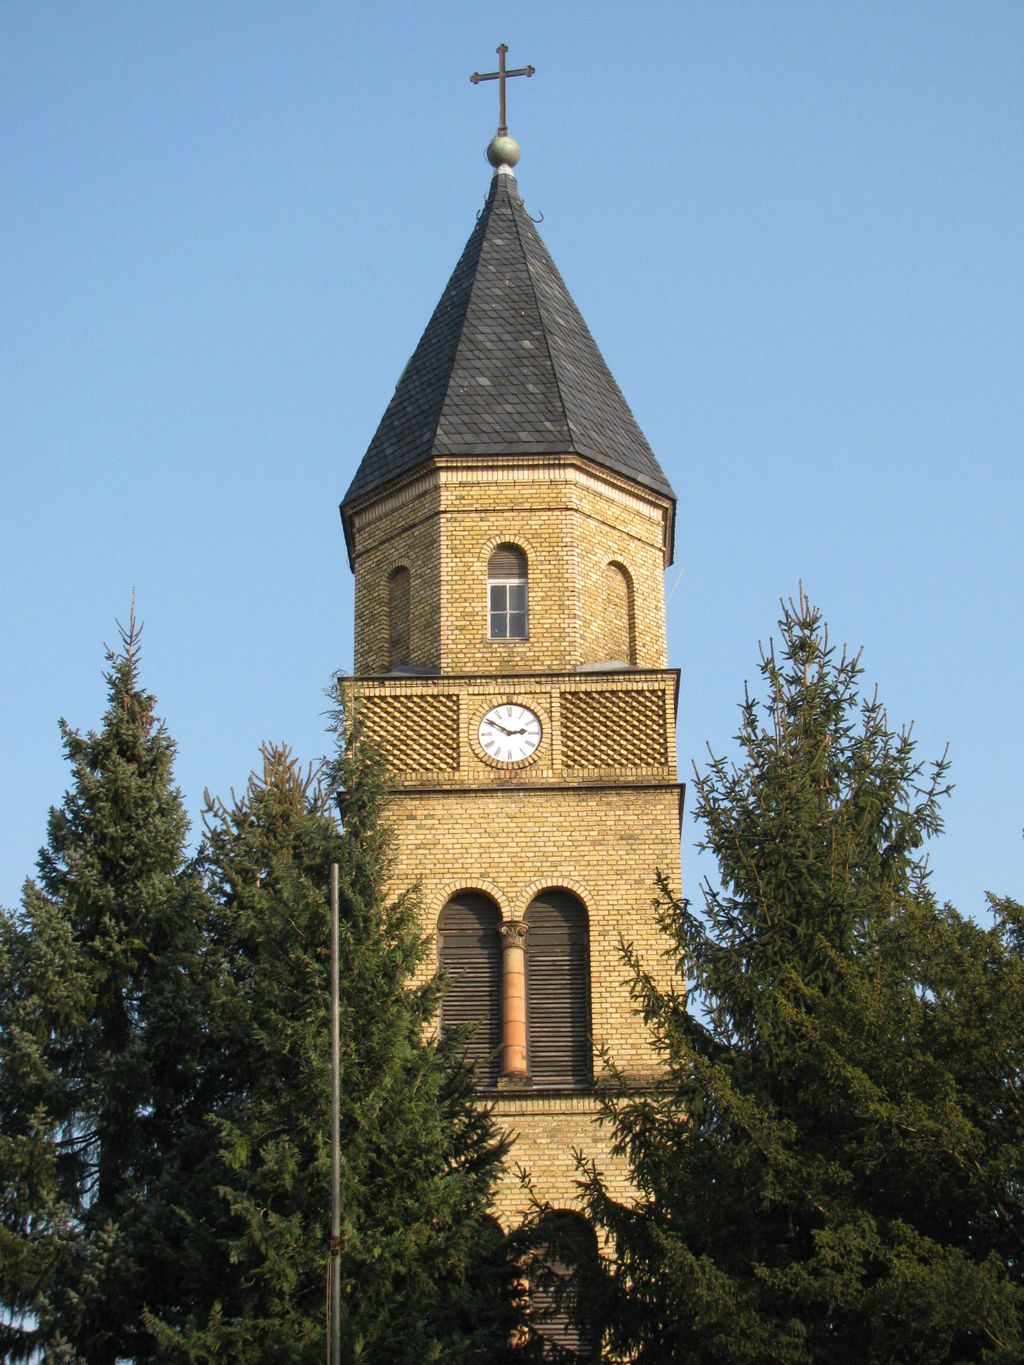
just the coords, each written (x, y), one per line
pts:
(334, 1356)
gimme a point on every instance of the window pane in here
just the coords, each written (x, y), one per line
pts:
(498, 629)
(507, 562)
(498, 597)
(517, 597)
(517, 625)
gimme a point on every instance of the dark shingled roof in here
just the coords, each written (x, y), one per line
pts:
(506, 366)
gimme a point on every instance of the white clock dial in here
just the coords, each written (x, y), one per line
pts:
(509, 733)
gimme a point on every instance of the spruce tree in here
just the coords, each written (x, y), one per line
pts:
(832, 1170)
(96, 1070)
(424, 1272)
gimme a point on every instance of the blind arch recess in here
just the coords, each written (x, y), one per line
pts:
(619, 616)
(399, 611)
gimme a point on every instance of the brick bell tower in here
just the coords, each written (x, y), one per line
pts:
(509, 528)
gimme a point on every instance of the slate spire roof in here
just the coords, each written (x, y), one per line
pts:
(506, 367)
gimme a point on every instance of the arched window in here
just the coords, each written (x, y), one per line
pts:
(566, 1248)
(506, 594)
(617, 611)
(558, 991)
(469, 949)
(399, 589)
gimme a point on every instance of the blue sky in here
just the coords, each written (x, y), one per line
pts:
(794, 229)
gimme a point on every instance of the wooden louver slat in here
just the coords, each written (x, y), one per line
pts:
(507, 562)
(552, 1309)
(558, 991)
(469, 948)
(550, 1313)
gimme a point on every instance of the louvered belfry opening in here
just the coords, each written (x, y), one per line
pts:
(573, 1243)
(558, 991)
(469, 949)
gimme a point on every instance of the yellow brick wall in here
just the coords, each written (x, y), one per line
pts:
(404, 531)
(571, 520)
(596, 810)
(548, 1130)
(600, 832)
(605, 845)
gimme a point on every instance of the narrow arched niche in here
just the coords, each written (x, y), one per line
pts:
(399, 617)
(618, 610)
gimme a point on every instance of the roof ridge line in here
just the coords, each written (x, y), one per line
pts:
(540, 315)
(478, 227)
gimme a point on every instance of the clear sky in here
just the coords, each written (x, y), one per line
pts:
(796, 230)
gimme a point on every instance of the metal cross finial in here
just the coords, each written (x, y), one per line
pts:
(500, 76)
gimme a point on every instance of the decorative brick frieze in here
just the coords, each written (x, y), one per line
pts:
(608, 727)
(418, 733)
(613, 729)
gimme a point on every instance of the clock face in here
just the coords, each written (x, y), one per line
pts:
(510, 733)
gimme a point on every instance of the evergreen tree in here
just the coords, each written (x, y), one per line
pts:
(96, 1068)
(424, 1272)
(833, 1170)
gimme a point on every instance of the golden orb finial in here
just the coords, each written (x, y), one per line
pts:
(503, 151)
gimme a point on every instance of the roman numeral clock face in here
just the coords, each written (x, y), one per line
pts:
(509, 733)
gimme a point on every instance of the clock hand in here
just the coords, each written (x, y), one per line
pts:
(502, 728)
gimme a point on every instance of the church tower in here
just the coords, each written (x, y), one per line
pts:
(509, 528)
